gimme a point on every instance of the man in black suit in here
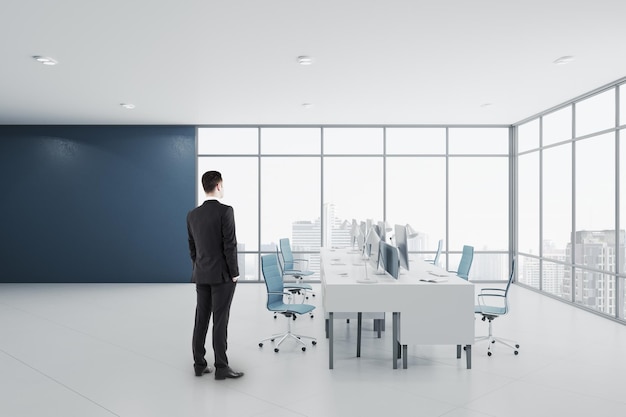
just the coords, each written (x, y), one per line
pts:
(213, 249)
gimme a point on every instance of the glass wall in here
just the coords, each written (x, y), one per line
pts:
(571, 176)
(309, 183)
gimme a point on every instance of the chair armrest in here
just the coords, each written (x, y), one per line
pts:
(486, 291)
(280, 293)
(300, 260)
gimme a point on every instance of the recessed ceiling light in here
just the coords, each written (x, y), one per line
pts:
(45, 60)
(307, 105)
(128, 106)
(305, 60)
(486, 105)
(563, 60)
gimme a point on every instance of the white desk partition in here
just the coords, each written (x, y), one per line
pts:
(424, 313)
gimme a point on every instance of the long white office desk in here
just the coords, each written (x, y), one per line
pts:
(424, 313)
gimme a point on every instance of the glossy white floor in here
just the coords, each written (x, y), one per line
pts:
(103, 350)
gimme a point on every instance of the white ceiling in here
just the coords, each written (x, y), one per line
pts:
(234, 61)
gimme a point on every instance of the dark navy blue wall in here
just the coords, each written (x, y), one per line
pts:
(95, 203)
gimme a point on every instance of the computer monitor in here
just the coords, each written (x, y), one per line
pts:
(383, 232)
(372, 244)
(402, 245)
(354, 232)
(388, 259)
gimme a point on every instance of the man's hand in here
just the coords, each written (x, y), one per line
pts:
(235, 279)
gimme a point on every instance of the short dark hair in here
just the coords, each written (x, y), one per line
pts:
(210, 179)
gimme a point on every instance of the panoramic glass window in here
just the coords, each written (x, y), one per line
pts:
(416, 195)
(351, 141)
(415, 141)
(280, 141)
(528, 200)
(479, 203)
(353, 188)
(308, 183)
(528, 136)
(478, 141)
(290, 202)
(557, 126)
(595, 196)
(595, 113)
(228, 141)
(557, 201)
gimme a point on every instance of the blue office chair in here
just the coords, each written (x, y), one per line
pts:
(435, 260)
(466, 262)
(493, 303)
(299, 288)
(275, 302)
(293, 267)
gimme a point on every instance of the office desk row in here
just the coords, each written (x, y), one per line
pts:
(424, 313)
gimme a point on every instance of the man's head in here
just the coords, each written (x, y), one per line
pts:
(212, 184)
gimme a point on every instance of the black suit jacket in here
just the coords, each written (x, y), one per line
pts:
(212, 243)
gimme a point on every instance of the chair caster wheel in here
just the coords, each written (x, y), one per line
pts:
(464, 347)
(271, 340)
(493, 341)
(276, 350)
(274, 317)
(303, 349)
(517, 346)
(260, 344)
(314, 342)
(516, 353)
(311, 315)
(488, 353)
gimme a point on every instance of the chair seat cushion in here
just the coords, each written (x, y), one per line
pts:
(291, 308)
(298, 273)
(490, 310)
(296, 286)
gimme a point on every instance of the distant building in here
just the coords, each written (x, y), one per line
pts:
(552, 272)
(596, 250)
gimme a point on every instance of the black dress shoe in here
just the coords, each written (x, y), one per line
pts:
(223, 373)
(205, 370)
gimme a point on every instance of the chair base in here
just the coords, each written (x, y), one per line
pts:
(288, 335)
(491, 339)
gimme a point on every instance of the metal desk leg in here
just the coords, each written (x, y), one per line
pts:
(330, 340)
(359, 322)
(404, 357)
(394, 340)
(458, 351)
(468, 355)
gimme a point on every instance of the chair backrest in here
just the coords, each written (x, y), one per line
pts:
(466, 262)
(508, 284)
(281, 266)
(285, 250)
(273, 279)
(439, 246)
